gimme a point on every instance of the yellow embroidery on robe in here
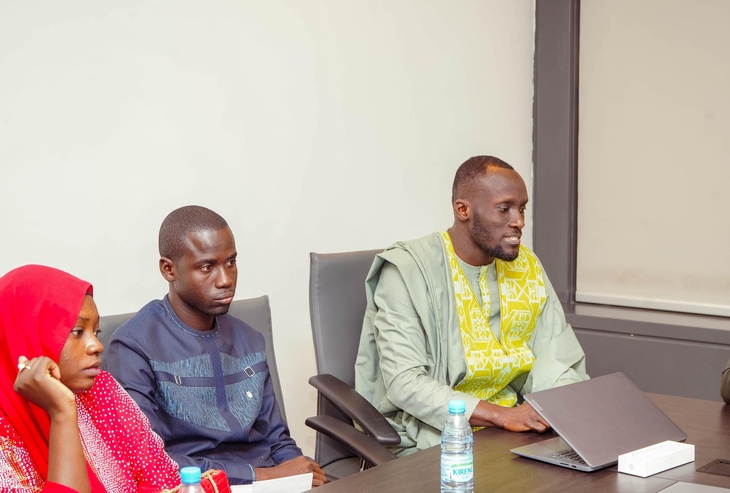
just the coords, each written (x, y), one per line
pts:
(492, 364)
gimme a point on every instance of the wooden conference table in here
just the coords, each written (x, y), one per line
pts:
(496, 469)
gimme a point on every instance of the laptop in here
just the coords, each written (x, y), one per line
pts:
(597, 420)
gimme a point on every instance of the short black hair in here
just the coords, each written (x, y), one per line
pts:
(472, 168)
(183, 221)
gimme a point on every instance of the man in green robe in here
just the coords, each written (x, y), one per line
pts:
(465, 314)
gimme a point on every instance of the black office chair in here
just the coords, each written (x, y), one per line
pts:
(337, 307)
(108, 324)
(256, 312)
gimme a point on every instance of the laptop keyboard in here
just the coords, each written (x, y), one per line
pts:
(568, 454)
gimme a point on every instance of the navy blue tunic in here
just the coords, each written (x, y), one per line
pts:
(209, 394)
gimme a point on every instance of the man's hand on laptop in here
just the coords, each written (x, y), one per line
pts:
(518, 418)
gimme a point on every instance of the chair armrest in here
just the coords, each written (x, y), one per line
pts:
(361, 444)
(356, 407)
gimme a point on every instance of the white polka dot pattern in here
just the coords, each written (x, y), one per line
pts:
(121, 448)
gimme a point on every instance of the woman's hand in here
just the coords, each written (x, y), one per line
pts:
(39, 381)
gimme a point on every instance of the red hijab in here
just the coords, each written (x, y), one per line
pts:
(38, 308)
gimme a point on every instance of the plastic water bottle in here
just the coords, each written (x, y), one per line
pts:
(190, 480)
(457, 457)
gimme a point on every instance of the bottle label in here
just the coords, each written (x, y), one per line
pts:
(460, 471)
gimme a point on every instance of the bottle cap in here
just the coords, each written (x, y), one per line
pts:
(457, 406)
(190, 474)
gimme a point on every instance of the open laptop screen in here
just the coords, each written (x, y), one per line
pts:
(604, 417)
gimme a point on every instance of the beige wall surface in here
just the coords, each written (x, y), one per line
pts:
(310, 126)
(653, 154)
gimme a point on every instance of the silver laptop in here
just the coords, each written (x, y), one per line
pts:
(597, 420)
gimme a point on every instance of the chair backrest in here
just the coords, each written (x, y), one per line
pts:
(108, 324)
(337, 307)
(256, 312)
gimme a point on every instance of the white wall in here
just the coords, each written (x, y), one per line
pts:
(310, 126)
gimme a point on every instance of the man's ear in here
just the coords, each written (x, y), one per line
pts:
(167, 269)
(462, 210)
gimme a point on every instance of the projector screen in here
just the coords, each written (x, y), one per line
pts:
(654, 141)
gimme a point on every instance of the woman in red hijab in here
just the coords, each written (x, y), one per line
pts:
(65, 424)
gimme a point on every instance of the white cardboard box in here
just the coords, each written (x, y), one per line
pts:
(656, 458)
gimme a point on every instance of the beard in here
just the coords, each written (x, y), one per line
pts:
(484, 239)
(214, 311)
(203, 305)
